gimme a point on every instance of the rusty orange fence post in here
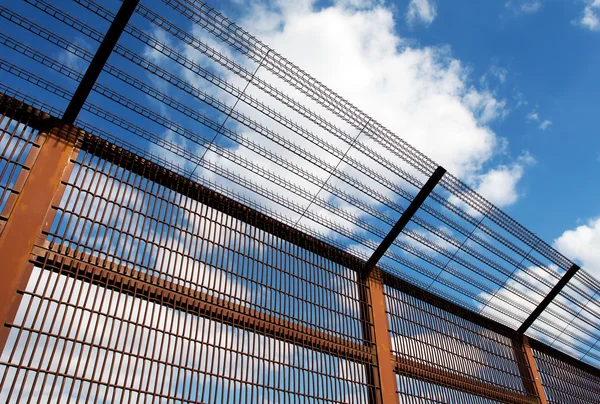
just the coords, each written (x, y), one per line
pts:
(27, 217)
(528, 368)
(376, 331)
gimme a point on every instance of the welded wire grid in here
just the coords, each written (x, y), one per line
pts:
(80, 341)
(120, 218)
(171, 83)
(18, 148)
(415, 391)
(565, 383)
(578, 334)
(108, 211)
(448, 344)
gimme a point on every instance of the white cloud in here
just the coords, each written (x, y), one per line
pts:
(499, 185)
(534, 116)
(545, 124)
(524, 6)
(531, 6)
(424, 95)
(582, 243)
(590, 18)
(423, 11)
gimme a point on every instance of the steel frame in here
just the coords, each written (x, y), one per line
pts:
(549, 298)
(100, 57)
(25, 221)
(23, 243)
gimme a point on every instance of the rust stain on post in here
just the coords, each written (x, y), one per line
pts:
(27, 218)
(380, 336)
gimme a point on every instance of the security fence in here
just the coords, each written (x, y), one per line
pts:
(184, 223)
(124, 281)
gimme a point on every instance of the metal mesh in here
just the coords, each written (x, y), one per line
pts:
(86, 340)
(172, 297)
(565, 382)
(112, 213)
(305, 163)
(415, 391)
(149, 285)
(18, 148)
(206, 242)
(447, 344)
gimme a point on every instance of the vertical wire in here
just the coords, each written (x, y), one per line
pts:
(571, 321)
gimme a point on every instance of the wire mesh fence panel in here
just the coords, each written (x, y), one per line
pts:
(264, 319)
(445, 346)
(577, 334)
(79, 338)
(109, 212)
(565, 381)
(415, 391)
(218, 184)
(18, 148)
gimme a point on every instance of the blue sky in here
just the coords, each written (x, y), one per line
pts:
(550, 62)
(501, 93)
(542, 61)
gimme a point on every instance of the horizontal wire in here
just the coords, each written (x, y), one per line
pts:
(228, 32)
(317, 218)
(312, 216)
(178, 33)
(69, 73)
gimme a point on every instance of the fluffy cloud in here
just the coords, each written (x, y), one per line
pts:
(499, 185)
(545, 124)
(422, 94)
(582, 244)
(590, 18)
(533, 116)
(423, 11)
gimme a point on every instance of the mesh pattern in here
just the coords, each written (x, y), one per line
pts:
(449, 344)
(109, 212)
(414, 391)
(85, 341)
(18, 148)
(565, 383)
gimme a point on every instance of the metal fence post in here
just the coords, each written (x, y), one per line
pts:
(528, 368)
(376, 331)
(27, 219)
